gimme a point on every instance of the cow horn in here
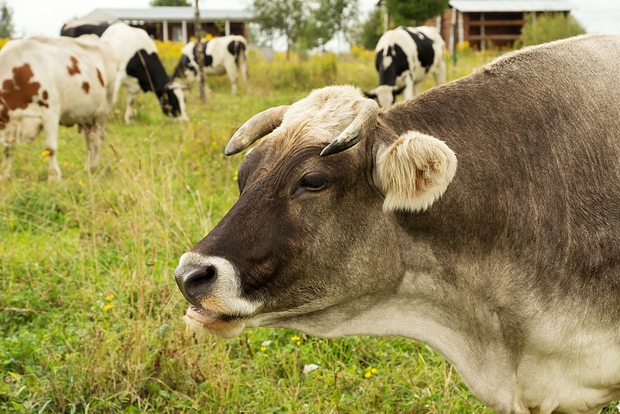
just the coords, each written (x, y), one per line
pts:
(360, 126)
(255, 128)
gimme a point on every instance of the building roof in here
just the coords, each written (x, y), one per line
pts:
(511, 5)
(171, 14)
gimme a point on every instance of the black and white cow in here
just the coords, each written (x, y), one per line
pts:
(405, 57)
(481, 218)
(140, 69)
(225, 54)
(76, 28)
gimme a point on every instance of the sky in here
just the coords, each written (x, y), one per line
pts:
(46, 17)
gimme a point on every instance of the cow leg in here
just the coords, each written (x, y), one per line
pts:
(416, 89)
(117, 86)
(50, 129)
(129, 107)
(440, 73)
(7, 163)
(231, 71)
(93, 135)
(409, 91)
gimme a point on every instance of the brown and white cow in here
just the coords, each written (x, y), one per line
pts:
(354, 221)
(52, 81)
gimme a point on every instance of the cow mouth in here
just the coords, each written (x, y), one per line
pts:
(205, 317)
(201, 320)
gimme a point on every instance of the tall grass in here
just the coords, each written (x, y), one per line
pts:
(90, 316)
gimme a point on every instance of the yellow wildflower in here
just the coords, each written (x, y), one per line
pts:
(45, 153)
(108, 307)
(368, 374)
(295, 338)
(263, 348)
(373, 370)
(214, 144)
(183, 149)
(109, 297)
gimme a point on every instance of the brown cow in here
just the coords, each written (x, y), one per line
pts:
(351, 221)
(47, 82)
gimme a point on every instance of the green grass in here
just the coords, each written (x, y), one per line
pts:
(90, 316)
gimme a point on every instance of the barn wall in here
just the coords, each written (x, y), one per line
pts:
(482, 29)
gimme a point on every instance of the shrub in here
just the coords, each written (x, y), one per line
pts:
(548, 27)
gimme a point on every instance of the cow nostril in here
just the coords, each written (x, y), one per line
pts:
(198, 282)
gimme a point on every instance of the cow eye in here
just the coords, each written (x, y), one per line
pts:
(313, 183)
(310, 183)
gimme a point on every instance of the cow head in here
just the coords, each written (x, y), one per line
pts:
(187, 68)
(172, 101)
(385, 94)
(312, 234)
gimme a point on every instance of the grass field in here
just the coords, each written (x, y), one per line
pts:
(90, 315)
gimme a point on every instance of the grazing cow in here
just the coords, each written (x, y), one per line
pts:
(221, 55)
(404, 58)
(52, 81)
(139, 69)
(76, 28)
(355, 221)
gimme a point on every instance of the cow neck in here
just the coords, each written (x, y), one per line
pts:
(148, 74)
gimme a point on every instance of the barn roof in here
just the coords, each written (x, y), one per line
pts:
(511, 5)
(171, 14)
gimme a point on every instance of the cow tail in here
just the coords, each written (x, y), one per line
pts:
(241, 59)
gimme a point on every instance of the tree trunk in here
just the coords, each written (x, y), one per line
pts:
(200, 57)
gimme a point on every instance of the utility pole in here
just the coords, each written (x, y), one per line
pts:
(200, 56)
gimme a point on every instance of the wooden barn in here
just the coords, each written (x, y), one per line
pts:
(175, 23)
(483, 23)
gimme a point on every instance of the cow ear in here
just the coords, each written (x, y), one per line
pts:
(414, 171)
(396, 90)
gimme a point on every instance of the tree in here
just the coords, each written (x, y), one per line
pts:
(367, 33)
(548, 27)
(332, 17)
(6, 21)
(158, 3)
(414, 12)
(287, 18)
(304, 24)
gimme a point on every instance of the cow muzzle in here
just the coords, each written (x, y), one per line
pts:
(211, 285)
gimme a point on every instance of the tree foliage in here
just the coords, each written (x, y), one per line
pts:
(6, 21)
(366, 33)
(159, 3)
(331, 17)
(287, 18)
(414, 12)
(304, 24)
(548, 27)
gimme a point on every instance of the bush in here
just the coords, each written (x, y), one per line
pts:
(548, 27)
